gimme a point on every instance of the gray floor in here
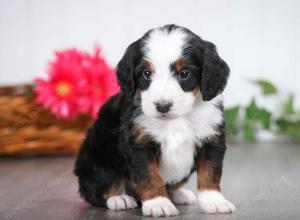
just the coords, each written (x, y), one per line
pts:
(261, 180)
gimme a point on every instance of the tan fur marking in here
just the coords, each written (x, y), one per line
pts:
(180, 64)
(148, 65)
(196, 91)
(115, 189)
(177, 185)
(206, 180)
(140, 135)
(152, 187)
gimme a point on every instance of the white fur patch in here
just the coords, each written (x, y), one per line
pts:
(162, 49)
(183, 196)
(121, 202)
(178, 137)
(212, 201)
(160, 206)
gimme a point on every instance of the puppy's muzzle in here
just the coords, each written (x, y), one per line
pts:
(163, 106)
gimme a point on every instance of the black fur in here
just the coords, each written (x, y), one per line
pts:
(109, 154)
(126, 69)
(100, 163)
(212, 72)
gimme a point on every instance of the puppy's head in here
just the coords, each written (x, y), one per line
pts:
(170, 68)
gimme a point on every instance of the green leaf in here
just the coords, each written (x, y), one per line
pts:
(249, 133)
(231, 116)
(290, 128)
(288, 107)
(254, 113)
(266, 87)
(265, 118)
(251, 110)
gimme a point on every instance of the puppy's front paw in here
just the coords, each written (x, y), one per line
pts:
(121, 202)
(183, 196)
(212, 201)
(160, 206)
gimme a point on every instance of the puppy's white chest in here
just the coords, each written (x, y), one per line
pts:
(176, 162)
(179, 137)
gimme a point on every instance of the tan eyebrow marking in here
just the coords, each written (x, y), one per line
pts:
(180, 64)
(148, 65)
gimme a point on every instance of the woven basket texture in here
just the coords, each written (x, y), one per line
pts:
(28, 129)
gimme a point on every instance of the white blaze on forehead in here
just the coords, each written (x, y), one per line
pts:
(163, 48)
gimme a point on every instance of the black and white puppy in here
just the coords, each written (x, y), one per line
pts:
(166, 123)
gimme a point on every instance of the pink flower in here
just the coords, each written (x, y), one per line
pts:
(101, 82)
(78, 83)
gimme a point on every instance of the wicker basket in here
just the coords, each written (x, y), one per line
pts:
(27, 129)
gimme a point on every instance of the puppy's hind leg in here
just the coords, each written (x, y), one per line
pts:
(118, 200)
(105, 192)
(182, 196)
(179, 195)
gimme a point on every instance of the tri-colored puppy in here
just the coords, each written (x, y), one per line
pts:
(166, 123)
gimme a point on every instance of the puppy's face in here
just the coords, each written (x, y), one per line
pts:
(167, 78)
(170, 67)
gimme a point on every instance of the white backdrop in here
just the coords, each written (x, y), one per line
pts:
(258, 38)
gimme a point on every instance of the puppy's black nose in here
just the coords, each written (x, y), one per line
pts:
(163, 107)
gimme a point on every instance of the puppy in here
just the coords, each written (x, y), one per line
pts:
(166, 123)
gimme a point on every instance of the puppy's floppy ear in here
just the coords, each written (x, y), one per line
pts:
(126, 67)
(214, 74)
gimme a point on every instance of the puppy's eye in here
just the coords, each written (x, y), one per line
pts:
(184, 75)
(147, 74)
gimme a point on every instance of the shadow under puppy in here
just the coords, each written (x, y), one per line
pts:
(166, 123)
